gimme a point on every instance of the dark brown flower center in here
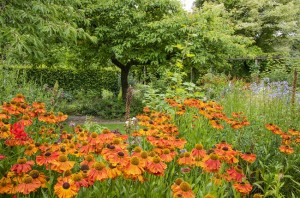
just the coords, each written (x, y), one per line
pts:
(66, 185)
(34, 174)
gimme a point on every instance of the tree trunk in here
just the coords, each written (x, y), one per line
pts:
(124, 74)
(124, 81)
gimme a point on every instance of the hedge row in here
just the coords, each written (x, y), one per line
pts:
(88, 79)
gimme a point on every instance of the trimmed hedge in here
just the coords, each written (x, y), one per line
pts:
(71, 80)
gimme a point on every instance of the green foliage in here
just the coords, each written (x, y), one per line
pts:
(105, 108)
(274, 25)
(29, 29)
(170, 85)
(13, 82)
(72, 80)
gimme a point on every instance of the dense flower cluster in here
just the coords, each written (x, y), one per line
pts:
(79, 158)
(292, 137)
(212, 111)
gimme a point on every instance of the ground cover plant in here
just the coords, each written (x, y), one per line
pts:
(196, 150)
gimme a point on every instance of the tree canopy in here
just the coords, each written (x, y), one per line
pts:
(29, 29)
(132, 33)
(274, 25)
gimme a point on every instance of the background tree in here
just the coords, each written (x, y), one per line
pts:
(31, 29)
(274, 25)
(132, 33)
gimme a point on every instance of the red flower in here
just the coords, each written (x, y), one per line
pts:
(17, 129)
(2, 157)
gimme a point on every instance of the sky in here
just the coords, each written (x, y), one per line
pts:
(187, 4)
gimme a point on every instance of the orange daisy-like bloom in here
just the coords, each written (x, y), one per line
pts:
(38, 177)
(211, 163)
(114, 171)
(19, 98)
(227, 154)
(242, 187)
(94, 139)
(271, 127)
(176, 186)
(88, 160)
(65, 188)
(235, 174)
(121, 158)
(30, 150)
(185, 191)
(86, 148)
(98, 172)
(61, 117)
(28, 185)
(22, 166)
(26, 120)
(62, 164)
(185, 159)
(134, 167)
(79, 180)
(248, 157)
(4, 132)
(293, 132)
(198, 151)
(167, 155)
(6, 186)
(286, 149)
(156, 166)
(46, 158)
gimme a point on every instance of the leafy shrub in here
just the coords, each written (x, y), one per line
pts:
(72, 80)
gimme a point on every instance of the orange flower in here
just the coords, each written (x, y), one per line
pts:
(211, 163)
(185, 191)
(134, 167)
(98, 172)
(294, 132)
(79, 180)
(156, 166)
(235, 174)
(185, 159)
(46, 158)
(22, 166)
(286, 149)
(6, 186)
(62, 164)
(88, 160)
(19, 98)
(249, 157)
(61, 117)
(121, 158)
(28, 185)
(65, 188)
(30, 150)
(198, 151)
(38, 177)
(167, 155)
(242, 187)
(176, 186)
(114, 171)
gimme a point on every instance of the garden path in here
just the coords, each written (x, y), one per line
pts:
(82, 119)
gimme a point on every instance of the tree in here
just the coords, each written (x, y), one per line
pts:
(153, 32)
(274, 25)
(29, 29)
(119, 27)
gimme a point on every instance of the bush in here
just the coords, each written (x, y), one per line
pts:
(72, 80)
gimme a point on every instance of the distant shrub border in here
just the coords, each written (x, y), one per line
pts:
(69, 79)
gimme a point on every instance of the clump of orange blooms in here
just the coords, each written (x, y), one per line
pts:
(79, 158)
(288, 139)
